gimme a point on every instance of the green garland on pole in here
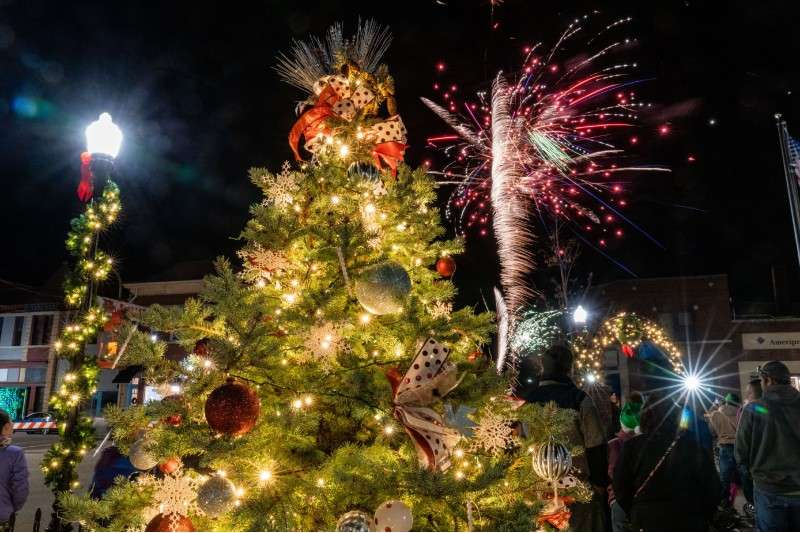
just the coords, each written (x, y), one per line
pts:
(91, 267)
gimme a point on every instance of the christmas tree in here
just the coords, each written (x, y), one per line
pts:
(330, 376)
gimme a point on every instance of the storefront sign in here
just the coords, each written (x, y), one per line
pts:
(775, 340)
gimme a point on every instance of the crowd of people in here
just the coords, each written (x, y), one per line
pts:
(649, 461)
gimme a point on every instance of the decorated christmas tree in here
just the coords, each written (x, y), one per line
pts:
(331, 384)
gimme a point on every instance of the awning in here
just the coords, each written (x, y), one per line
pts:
(127, 374)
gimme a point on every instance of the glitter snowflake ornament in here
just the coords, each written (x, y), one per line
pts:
(262, 263)
(324, 341)
(280, 189)
(440, 310)
(175, 495)
(493, 434)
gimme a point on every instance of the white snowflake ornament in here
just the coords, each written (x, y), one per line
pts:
(281, 188)
(440, 309)
(260, 262)
(493, 434)
(324, 341)
(175, 496)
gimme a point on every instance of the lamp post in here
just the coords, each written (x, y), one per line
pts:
(91, 267)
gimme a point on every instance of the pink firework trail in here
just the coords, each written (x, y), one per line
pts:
(566, 127)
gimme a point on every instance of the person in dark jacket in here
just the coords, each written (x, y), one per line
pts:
(752, 393)
(663, 480)
(111, 465)
(768, 445)
(555, 385)
(13, 473)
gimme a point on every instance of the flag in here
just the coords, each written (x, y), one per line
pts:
(790, 153)
(794, 155)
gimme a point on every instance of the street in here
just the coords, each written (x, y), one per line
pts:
(35, 446)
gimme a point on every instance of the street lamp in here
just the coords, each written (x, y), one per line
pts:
(580, 315)
(103, 141)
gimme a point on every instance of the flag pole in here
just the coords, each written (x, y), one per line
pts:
(791, 182)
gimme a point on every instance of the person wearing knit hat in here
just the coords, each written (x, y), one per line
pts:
(629, 416)
(629, 423)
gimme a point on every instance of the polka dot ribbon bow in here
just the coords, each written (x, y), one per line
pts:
(338, 99)
(431, 376)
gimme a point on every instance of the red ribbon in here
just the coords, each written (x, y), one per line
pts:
(312, 122)
(628, 350)
(559, 520)
(391, 153)
(86, 186)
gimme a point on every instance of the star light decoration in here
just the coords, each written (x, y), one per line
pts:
(627, 329)
(175, 495)
(493, 434)
(280, 189)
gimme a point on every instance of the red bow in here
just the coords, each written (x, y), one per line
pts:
(312, 122)
(391, 153)
(86, 187)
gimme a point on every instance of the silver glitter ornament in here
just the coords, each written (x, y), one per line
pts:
(354, 521)
(383, 289)
(551, 461)
(216, 496)
(139, 457)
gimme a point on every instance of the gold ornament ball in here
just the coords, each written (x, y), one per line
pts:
(139, 457)
(216, 496)
(383, 289)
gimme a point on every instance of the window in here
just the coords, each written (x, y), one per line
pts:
(35, 374)
(41, 327)
(19, 322)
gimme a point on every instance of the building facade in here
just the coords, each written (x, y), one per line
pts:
(30, 320)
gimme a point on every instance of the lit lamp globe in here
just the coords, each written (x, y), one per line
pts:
(580, 315)
(103, 141)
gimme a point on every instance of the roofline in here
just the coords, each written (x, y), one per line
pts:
(148, 288)
(662, 278)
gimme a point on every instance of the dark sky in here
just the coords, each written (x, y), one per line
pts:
(192, 87)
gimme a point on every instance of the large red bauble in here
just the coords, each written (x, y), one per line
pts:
(446, 266)
(232, 408)
(165, 523)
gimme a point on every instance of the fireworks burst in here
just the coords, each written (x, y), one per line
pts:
(556, 151)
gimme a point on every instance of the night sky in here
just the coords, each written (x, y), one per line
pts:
(191, 84)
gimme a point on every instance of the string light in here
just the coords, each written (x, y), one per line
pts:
(265, 475)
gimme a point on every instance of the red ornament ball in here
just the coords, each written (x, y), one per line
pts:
(446, 266)
(165, 523)
(173, 420)
(474, 356)
(170, 465)
(232, 409)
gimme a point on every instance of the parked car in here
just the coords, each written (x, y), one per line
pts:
(38, 417)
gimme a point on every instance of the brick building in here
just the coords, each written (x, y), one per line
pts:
(701, 317)
(30, 320)
(169, 288)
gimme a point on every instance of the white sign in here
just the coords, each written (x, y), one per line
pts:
(774, 340)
